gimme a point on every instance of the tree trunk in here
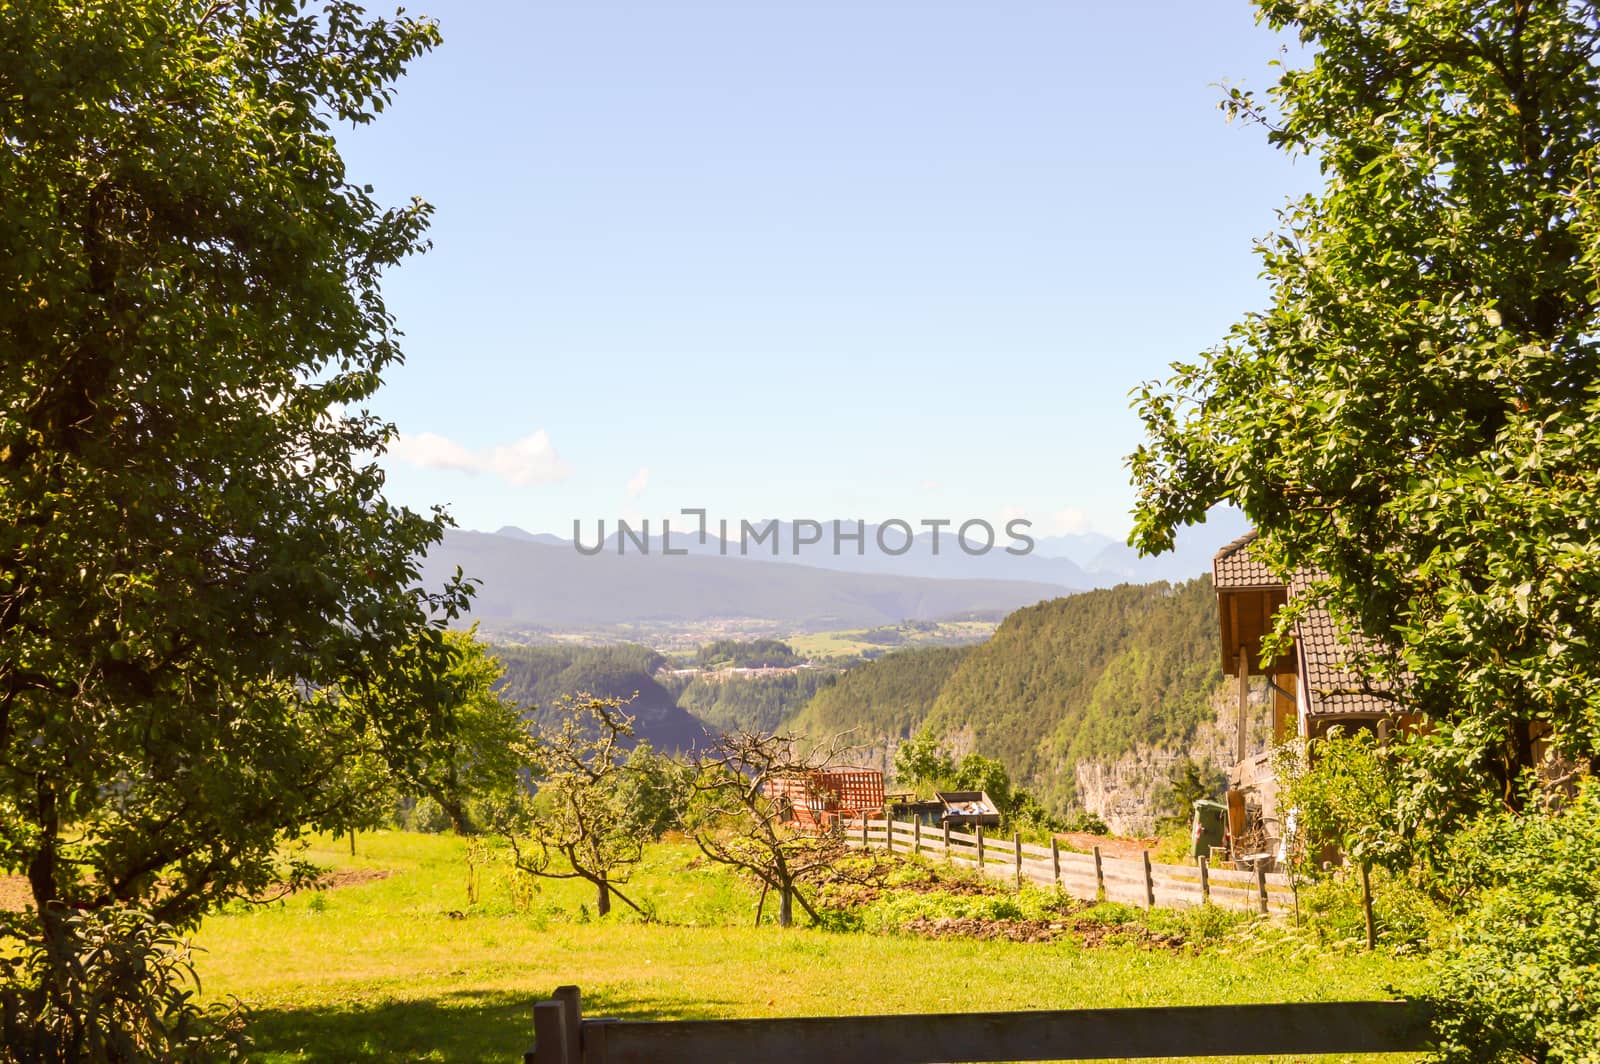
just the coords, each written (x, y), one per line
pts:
(786, 906)
(602, 904)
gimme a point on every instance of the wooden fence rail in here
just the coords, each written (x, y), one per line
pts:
(563, 1036)
(1087, 876)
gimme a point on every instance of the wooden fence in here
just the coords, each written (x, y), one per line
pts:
(563, 1036)
(1084, 875)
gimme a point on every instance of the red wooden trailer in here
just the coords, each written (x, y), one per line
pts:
(817, 799)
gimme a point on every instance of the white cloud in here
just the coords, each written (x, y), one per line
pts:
(530, 460)
(1069, 519)
(640, 481)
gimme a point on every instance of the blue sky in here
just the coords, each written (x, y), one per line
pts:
(867, 259)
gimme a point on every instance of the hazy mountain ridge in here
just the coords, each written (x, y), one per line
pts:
(530, 583)
(1070, 561)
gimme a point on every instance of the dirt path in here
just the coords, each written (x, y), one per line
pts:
(1110, 845)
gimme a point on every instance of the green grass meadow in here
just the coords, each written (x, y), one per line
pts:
(406, 969)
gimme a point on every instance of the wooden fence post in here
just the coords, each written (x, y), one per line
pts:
(916, 836)
(888, 830)
(1366, 906)
(555, 1029)
(980, 847)
(571, 1001)
(1099, 876)
(1149, 883)
(946, 839)
(549, 1043)
(1016, 843)
(1055, 857)
(1261, 885)
(1205, 878)
(866, 843)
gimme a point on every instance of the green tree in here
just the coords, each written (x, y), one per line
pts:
(978, 773)
(742, 820)
(1416, 416)
(921, 762)
(197, 564)
(655, 790)
(582, 823)
(1188, 781)
(1414, 422)
(477, 757)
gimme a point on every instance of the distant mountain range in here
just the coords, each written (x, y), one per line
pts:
(1076, 561)
(542, 581)
(531, 584)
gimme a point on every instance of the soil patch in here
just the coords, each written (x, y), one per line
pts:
(351, 877)
(1110, 845)
(1090, 933)
(979, 928)
(15, 894)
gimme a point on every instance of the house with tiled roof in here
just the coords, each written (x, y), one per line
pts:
(1305, 690)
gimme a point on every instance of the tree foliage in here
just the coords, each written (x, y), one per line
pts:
(739, 821)
(1087, 676)
(746, 654)
(1414, 422)
(891, 695)
(197, 564)
(747, 703)
(597, 803)
(1416, 416)
(1189, 781)
(540, 677)
(1516, 979)
(921, 762)
(476, 758)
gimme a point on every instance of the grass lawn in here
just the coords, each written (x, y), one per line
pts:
(404, 969)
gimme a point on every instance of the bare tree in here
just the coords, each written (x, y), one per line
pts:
(581, 824)
(744, 814)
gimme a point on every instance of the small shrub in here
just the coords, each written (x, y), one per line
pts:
(1404, 914)
(1519, 975)
(1176, 847)
(126, 991)
(1209, 923)
(428, 816)
(1111, 912)
(1086, 822)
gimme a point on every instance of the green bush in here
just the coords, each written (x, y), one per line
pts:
(1518, 978)
(1405, 915)
(126, 992)
(1086, 822)
(428, 816)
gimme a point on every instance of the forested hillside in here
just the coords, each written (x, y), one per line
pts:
(884, 699)
(750, 703)
(538, 676)
(1089, 676)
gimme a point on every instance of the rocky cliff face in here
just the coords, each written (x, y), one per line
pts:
(1124, 791)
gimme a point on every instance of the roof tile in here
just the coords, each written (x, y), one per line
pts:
(1235, 566)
